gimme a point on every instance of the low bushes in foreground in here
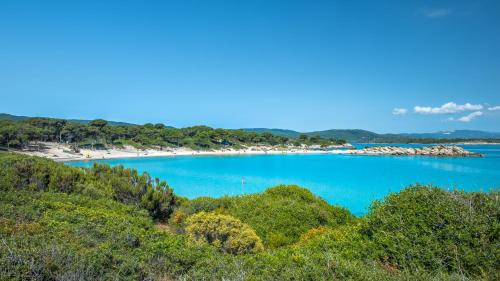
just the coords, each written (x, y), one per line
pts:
(64, 223)
(427, 227)
(279, 215)
(56, 236)
(101, 181)
(224, 232)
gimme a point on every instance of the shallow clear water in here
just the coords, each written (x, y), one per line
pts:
(350, 181)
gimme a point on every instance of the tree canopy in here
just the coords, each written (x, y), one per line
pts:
(21, 133)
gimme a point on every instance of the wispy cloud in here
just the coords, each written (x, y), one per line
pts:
(494, 108)
(470, 117)
(399, 111)
(436, 12)
(447, 108)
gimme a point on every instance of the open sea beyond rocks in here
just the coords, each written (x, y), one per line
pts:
(351, 181)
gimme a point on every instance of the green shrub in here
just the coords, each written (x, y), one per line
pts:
(55, 236)
(101, 181)
(64, 223)
(427, 227)
(224, 232)
(279, 215)
(129, 187)
(329, 256)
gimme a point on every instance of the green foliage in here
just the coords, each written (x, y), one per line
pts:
(25, 132)
(123, 185)
(99, 133)
(130, 187)
(57, 236)
(224, 232)
(98, 123)
(427, 227)
(279, 215)
(54, 236)
(335, 255)
(64, 223)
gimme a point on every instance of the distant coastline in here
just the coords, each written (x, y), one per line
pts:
(476, 143)
(429, 144)
(64, 153)
(73, 140)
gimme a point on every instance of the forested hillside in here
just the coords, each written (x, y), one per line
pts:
(6, 116)
(99, 134)
(64, 223)
(20, 131)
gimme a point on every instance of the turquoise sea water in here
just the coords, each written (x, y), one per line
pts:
(350, 181)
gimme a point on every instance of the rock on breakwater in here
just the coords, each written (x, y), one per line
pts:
(438, 150)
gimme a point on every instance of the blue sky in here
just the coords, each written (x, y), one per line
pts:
(386, 66)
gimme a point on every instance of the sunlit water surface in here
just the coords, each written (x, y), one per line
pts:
(350, 181)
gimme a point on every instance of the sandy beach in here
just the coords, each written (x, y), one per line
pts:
(63, 152)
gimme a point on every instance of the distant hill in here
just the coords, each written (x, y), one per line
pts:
(457, 134)
(353, 135)
(81, 121)
(12, 117)
(350, 135)
(277, 132)
(364, 136)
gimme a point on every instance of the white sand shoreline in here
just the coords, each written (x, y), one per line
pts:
(195, 153)
(64, 153)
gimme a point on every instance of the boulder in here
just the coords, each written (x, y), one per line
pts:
(438, 150)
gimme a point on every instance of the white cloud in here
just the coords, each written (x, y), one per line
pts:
(399, 111)
(494, 108)
(436, 13)
(469, 117)
(447, 108)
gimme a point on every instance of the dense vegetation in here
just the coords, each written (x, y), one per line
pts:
(22, 131)
(225, 232)
(65, 223)
(279, 215)
(460, 232)
(101, 181)
(99, 133)
(56, 236)
(6, 116)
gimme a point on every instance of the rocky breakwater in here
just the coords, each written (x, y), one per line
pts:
(438, 151)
